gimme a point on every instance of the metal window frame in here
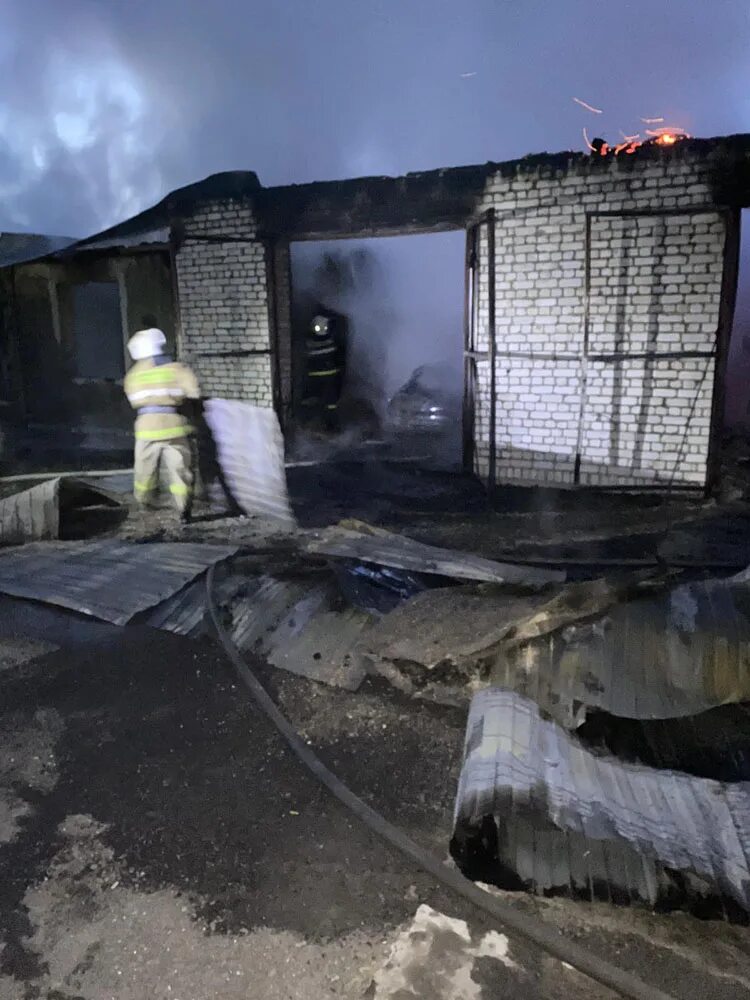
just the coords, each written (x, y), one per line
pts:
(473, 268)
(470, 362)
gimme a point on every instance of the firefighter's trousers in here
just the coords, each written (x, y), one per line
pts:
(177, 458)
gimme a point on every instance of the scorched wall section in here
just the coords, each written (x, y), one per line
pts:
(654, 297)
(608, 281)
(223, 294)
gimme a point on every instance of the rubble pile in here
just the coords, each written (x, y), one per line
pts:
(607, 739)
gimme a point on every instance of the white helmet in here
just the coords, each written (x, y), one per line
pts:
(320, 325)
(147, 344)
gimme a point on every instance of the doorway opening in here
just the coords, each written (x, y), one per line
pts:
(397, 304)
(737, 412)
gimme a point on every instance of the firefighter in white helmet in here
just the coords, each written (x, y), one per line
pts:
(157, 388)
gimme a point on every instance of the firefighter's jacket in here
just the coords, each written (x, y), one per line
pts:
(325, 363)
(157, 389)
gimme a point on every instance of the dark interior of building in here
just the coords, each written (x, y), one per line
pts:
(402, 299)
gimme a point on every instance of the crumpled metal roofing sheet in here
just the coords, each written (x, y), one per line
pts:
(17, 248)
(269, 607)
(250, 449)
(569, 818)
(31, 515)
(111, 580)
(297, 626)
(185, 613)
(145, 237)
(182, 613)
(35, 514)
(675, 654)
(324, 649)
(357, 540)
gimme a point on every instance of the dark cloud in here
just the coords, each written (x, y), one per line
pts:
(107, 105)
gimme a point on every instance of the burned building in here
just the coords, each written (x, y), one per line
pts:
(599, 301)
(65, 320)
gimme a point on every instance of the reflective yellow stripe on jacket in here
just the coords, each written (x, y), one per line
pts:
(166, 385)
(160, 433)
(160, 374)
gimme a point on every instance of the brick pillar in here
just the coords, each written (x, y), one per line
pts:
(223, 292)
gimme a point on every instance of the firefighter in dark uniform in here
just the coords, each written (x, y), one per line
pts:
(325, 367)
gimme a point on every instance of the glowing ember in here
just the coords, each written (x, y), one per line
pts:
(588, 107)
(667, 136)
(664, 135)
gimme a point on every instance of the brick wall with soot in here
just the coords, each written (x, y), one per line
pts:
(223, 297)
(637, 401)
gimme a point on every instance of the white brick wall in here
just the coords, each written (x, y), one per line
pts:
(655, 285)
(224, 304)
(248, 378)
(637, 416)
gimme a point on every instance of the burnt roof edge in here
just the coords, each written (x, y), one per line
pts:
(558, 162)
(241, 184)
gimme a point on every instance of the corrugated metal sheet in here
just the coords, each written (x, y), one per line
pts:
(146, 237)
(185, 612)
(675, 654)
(36, 513)
(569, 819)
(110, 580)
(269, 607)
(288, 622)
(356, 540)
(297, 627)
(17, 248)
(31, 515)
(250, 450)
(324, 649)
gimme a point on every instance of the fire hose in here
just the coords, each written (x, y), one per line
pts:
(528, 927)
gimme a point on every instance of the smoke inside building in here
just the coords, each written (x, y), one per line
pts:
(402, 302)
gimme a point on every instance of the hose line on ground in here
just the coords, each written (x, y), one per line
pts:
(532, 929)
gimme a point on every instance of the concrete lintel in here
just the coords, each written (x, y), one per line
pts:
(434, 201)
(401, 229)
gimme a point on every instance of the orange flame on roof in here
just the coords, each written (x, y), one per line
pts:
(664, 135)
(668, 135)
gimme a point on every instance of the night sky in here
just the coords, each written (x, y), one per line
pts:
(108, 104)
